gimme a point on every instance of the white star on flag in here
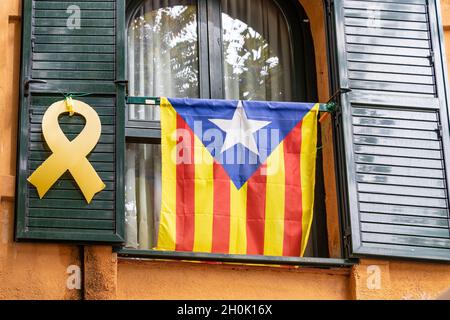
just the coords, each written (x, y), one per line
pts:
(240, 129)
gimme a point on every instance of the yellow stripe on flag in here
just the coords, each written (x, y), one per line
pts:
(204, 195)
(275, 202)
(308, 171)
(238, 219)
(167, 228)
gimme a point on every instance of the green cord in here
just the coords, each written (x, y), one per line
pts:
(74, 95)
(331, 107)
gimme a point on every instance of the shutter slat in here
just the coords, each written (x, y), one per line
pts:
(406, 240)
(395, 123)
(402, 6)
(383, 67)
(390, 77)
(71, 214)
(400, 171)
(385, 15)
(62, 204)
(83, 5)
(384, 41)
(45, 22)
(399, 152)
(77, 57)
(406, 191)
(74, 75)
(74, 48)
(402, 200)
(403, 210)
(387, 50)
(404, 220)
(52, 39)
(398, 161)
(404, 230)
(397, 142)
(400, 133)
(393, 87)
(72, 223)
(91, 66)
(401, 181)
(63, 31)
(389, 24)
(394, 114)
(87, 14)
(390, 33)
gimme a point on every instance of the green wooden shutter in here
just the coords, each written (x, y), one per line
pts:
(394, 124)
(57, 59)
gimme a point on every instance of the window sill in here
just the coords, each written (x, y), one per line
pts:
(240, 259)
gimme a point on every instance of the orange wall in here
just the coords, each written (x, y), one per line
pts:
(39, 271)
(185, 280)
(27, 271)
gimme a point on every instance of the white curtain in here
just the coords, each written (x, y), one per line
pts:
(142, 194)
(162, 61)
(256, 51)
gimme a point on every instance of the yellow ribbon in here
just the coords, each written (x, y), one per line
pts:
(69, 155)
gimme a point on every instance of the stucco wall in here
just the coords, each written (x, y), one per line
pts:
(185, 280)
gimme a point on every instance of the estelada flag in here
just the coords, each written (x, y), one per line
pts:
(237, 176)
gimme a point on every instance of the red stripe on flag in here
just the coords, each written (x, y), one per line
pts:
(185, 187)
(256, 211)
(221, 219)
(293, 193)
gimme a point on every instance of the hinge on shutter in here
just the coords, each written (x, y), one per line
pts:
(123, 83)
(337, 111)
(26, 85)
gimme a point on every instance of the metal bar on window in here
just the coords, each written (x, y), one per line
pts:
(235, 258)
(155, 101)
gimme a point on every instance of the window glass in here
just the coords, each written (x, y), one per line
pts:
(142, 194)
(257, 59)
(162, 61)
(162, 53)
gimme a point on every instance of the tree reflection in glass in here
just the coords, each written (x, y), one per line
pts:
(256, 51)
(162, 54)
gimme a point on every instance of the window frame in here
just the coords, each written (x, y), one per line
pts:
(149, 132)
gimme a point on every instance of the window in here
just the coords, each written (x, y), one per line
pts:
(249, 50)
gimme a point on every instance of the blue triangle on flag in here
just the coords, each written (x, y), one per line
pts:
(238, 161)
